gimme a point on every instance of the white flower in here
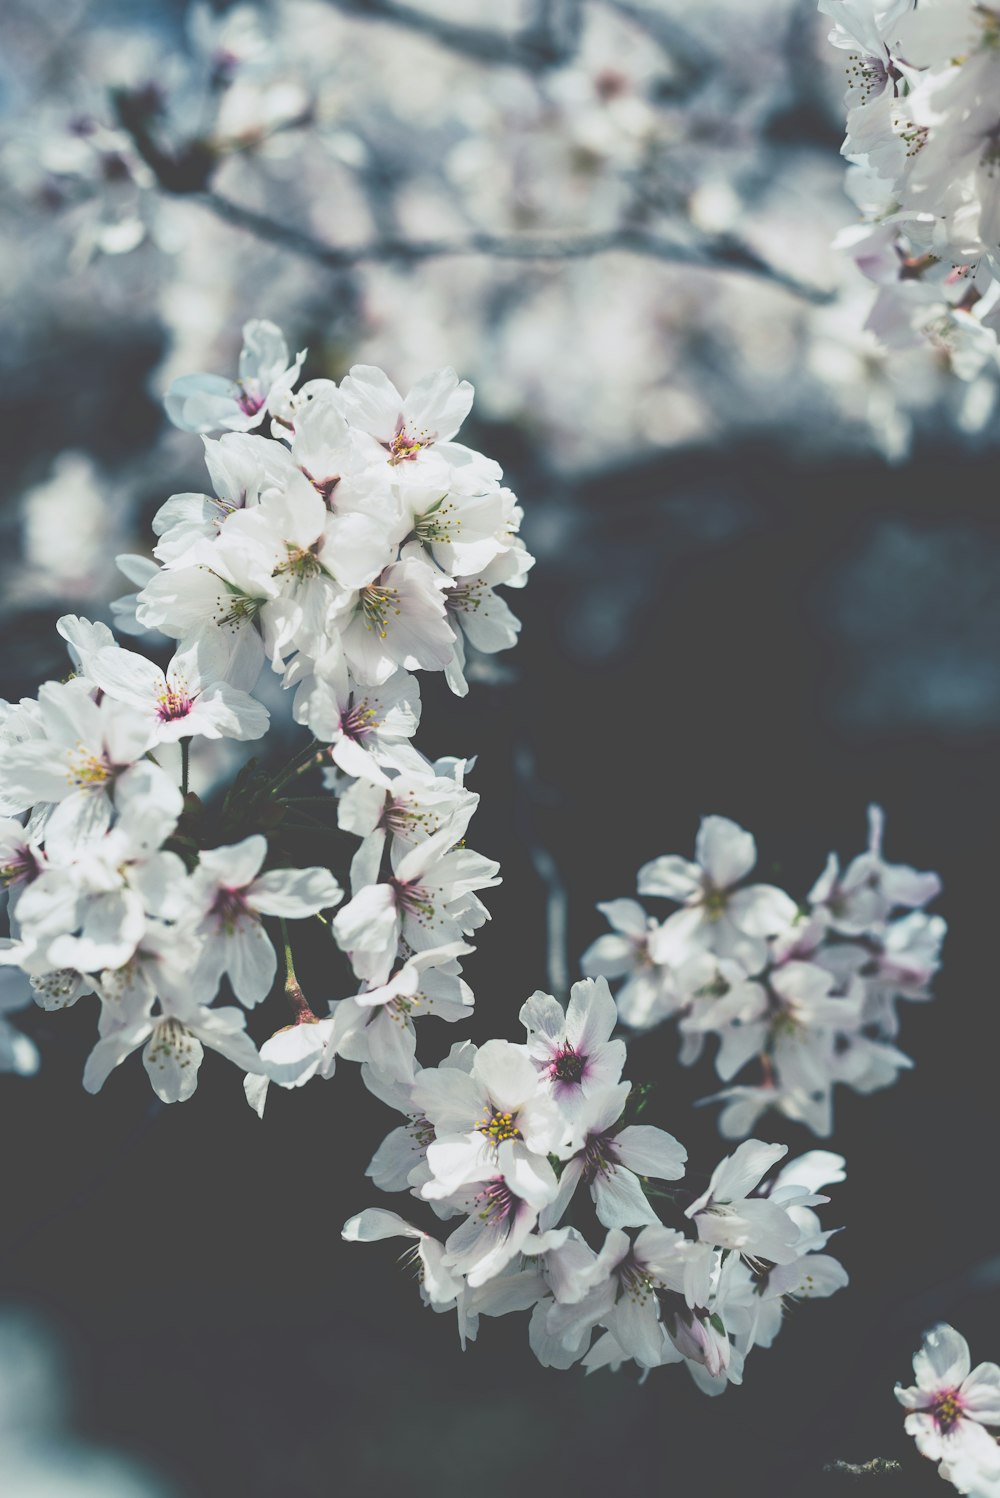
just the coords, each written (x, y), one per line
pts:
(440, 1285)
(503, 1207)
(228, 895)
(717, 915)
(220, 590)
(501, 1103)
(291, 1058)
(648, 994)
(949, 1404)
(573, 1048)
(728, 1216)
(409, 427)
(860, 900)
(610, 1160)
(376, 1025)
(83, 750)
(428, 902)
(409, 809)
(191, 698)
(622, 1295)
(205, 402)
(368, 728)
(398, 620)
(173, 1044)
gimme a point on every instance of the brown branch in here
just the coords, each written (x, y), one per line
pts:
(720, 253)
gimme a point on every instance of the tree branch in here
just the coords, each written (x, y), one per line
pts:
(549, 41)
(720, 253)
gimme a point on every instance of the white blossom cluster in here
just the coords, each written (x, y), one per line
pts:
(318, 130)
(950, 1406)
(805, 993)
(357, 544)
(923, 134)
(514, 1145)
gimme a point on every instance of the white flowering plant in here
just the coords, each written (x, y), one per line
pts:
(803, 994)
(922, 139)
(353, 546)
(348, 543)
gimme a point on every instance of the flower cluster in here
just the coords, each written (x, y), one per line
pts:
(923, 134)
(517, 1144)
(357, 544)
(806, 993)
(950, 1406)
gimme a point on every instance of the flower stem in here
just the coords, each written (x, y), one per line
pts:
(293, 990)
(185, 764)
(305, 759)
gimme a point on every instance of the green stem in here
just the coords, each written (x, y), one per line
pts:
(293, 989)
(185, 764)
(304, 760)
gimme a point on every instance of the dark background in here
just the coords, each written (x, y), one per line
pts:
(720, 632)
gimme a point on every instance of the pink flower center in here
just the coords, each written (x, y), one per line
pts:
(249, 402)
(358, 720)
(599, 1156)
(496, 1203)
(22, 868)
(173, 705)
(567, 1066)
(947, 1410)
(414, 900)
(229, 907)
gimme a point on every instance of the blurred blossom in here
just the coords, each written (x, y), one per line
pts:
(39, 1456)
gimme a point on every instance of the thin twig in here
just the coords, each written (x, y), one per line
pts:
(720, 253)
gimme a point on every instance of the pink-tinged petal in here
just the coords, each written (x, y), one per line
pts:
(438, 404)
(650, 1152)
(392, 1046)
(235, 865)
(543, 1015)
(813, 1277)
(251, 961)
(295, 893)
(739, 1173)
(172, 1058)
(507, 1074)
(127, 676)
(980, 1394)
(762, 910)
(924, 1430)
(609, 956)
(626, 916)
(529, 1176)
(669, 877)
(112, 1051)
(619, 1200)
(375, 1223)
(591, 1016)
(943, 1361)
(636, 1328)
(911, 1398)
(681, 936)
(552, 1214)
(725, 851)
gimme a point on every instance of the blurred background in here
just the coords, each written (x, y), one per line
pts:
(767, 586)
